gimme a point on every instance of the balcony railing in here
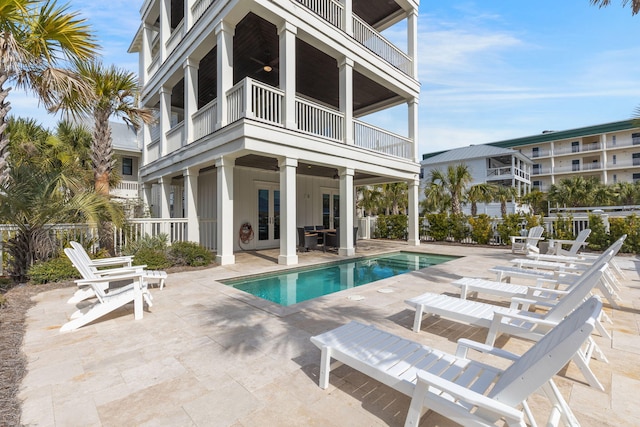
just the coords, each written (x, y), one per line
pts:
(265, 102)
(155, 64)
(374, 138)
(175, 38)
(314, 119)
(382, 47)
(578, 149)
(175, 137)
(507, 171)
(153, 151)
(199, 8)
(204, 120)
(330, 10)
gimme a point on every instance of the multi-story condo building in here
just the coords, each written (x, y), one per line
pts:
(262, 114)
(486, 164)
(610, 152)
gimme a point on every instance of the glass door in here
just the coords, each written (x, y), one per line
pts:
(268, 234)
(331, 209)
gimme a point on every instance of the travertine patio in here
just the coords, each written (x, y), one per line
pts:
(208, 355)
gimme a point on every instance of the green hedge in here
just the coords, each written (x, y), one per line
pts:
(57, 269)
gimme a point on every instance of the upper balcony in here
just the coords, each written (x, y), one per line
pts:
(507, 172)
(573, 149)
(253, 100)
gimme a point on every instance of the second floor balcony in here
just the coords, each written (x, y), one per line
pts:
(257, 101)
(507, 172)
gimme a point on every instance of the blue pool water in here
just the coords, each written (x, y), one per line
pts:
(307, 283)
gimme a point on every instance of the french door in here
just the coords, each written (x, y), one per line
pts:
(268, 233)
(330, 208)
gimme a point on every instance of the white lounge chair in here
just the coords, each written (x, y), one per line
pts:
(527, 244)
(555, 245)
(97, 267)
(466, 391)
(516, 320)
(107, 302)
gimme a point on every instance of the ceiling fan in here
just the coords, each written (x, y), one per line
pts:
(267, 65)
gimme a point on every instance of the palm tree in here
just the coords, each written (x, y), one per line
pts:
(635, 4)
(480, 193)
(369, 199)
(34, 36)
(436, 199)
(394, 197)
(504, 195)
(115, 93)
(535, 200)
(454, 182)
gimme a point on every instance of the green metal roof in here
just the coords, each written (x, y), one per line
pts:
(567, 134)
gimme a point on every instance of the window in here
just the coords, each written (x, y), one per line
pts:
(636, 159)
(635, 138)
(636, 177)
(575, 165)
(575, 146)
(537, 169)
(536, 151)
(615, 178)
(127, 166)
(537, 185)
(614, 159)
(421, 173)
(613, 140)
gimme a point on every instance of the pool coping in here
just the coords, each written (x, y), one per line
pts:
(283, 311)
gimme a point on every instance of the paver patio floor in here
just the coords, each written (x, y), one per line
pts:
(209, 355)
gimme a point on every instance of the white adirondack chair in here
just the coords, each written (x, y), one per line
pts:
(527, 244)
(97, 268)
(464, 390)
(516, 320)
(555, 245)
(107, 302)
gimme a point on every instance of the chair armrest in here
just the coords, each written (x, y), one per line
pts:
(518, 302)
(464, 345)
(511, 414)
(121, 270)
(103, 262)
(132, 275)
(497, 318)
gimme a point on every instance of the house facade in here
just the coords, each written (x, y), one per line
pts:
(486, 164)
(264, 115)
(610, 152)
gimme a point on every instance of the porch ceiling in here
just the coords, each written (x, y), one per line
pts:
(270, 163)
(256, 45)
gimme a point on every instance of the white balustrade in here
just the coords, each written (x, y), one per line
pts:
(175, 37)
(153, 67)
(236, 102)
(199, 8)
(314, 119)
(330, 10)
(375, 42)
(380, 140)
(204, 120)
(175, 137)
(153, 151)
(264, 101)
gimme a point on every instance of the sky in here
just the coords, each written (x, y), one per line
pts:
(489, 70)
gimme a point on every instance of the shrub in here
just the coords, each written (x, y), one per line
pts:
(481, 231)
(458, 228)
(189, 253)
(54, 270)
(438, 228)
(510, 226)
(154, 259)
(157, 243)
(391, 227)
(598, 239)
(563, 228)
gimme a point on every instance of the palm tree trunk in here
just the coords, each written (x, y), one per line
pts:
(4, 137)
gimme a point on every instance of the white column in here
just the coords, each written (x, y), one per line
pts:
(145, 55)
(288, 205)
(191, 203)
(604, 158)
(165, 118)
(190, 97)
(165, 191)
(224, 40)
(188, 16)
(413, 239)
(412, 41)
(165, 27)
(146, 196)
(346, 97)
(348, 17)
(346, 212)
(224, 221)
(287, 33)
(412, 105)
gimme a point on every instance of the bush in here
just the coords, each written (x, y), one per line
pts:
(189, 253)
(54, 270)
(156, 243)
(438, 228)
(510, 226)
(481, 231)
(154, 259)
(458, 227)
(563, 228)
(598, 239)
(391, 227)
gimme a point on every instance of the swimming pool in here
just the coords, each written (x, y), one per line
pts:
(304, 284)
